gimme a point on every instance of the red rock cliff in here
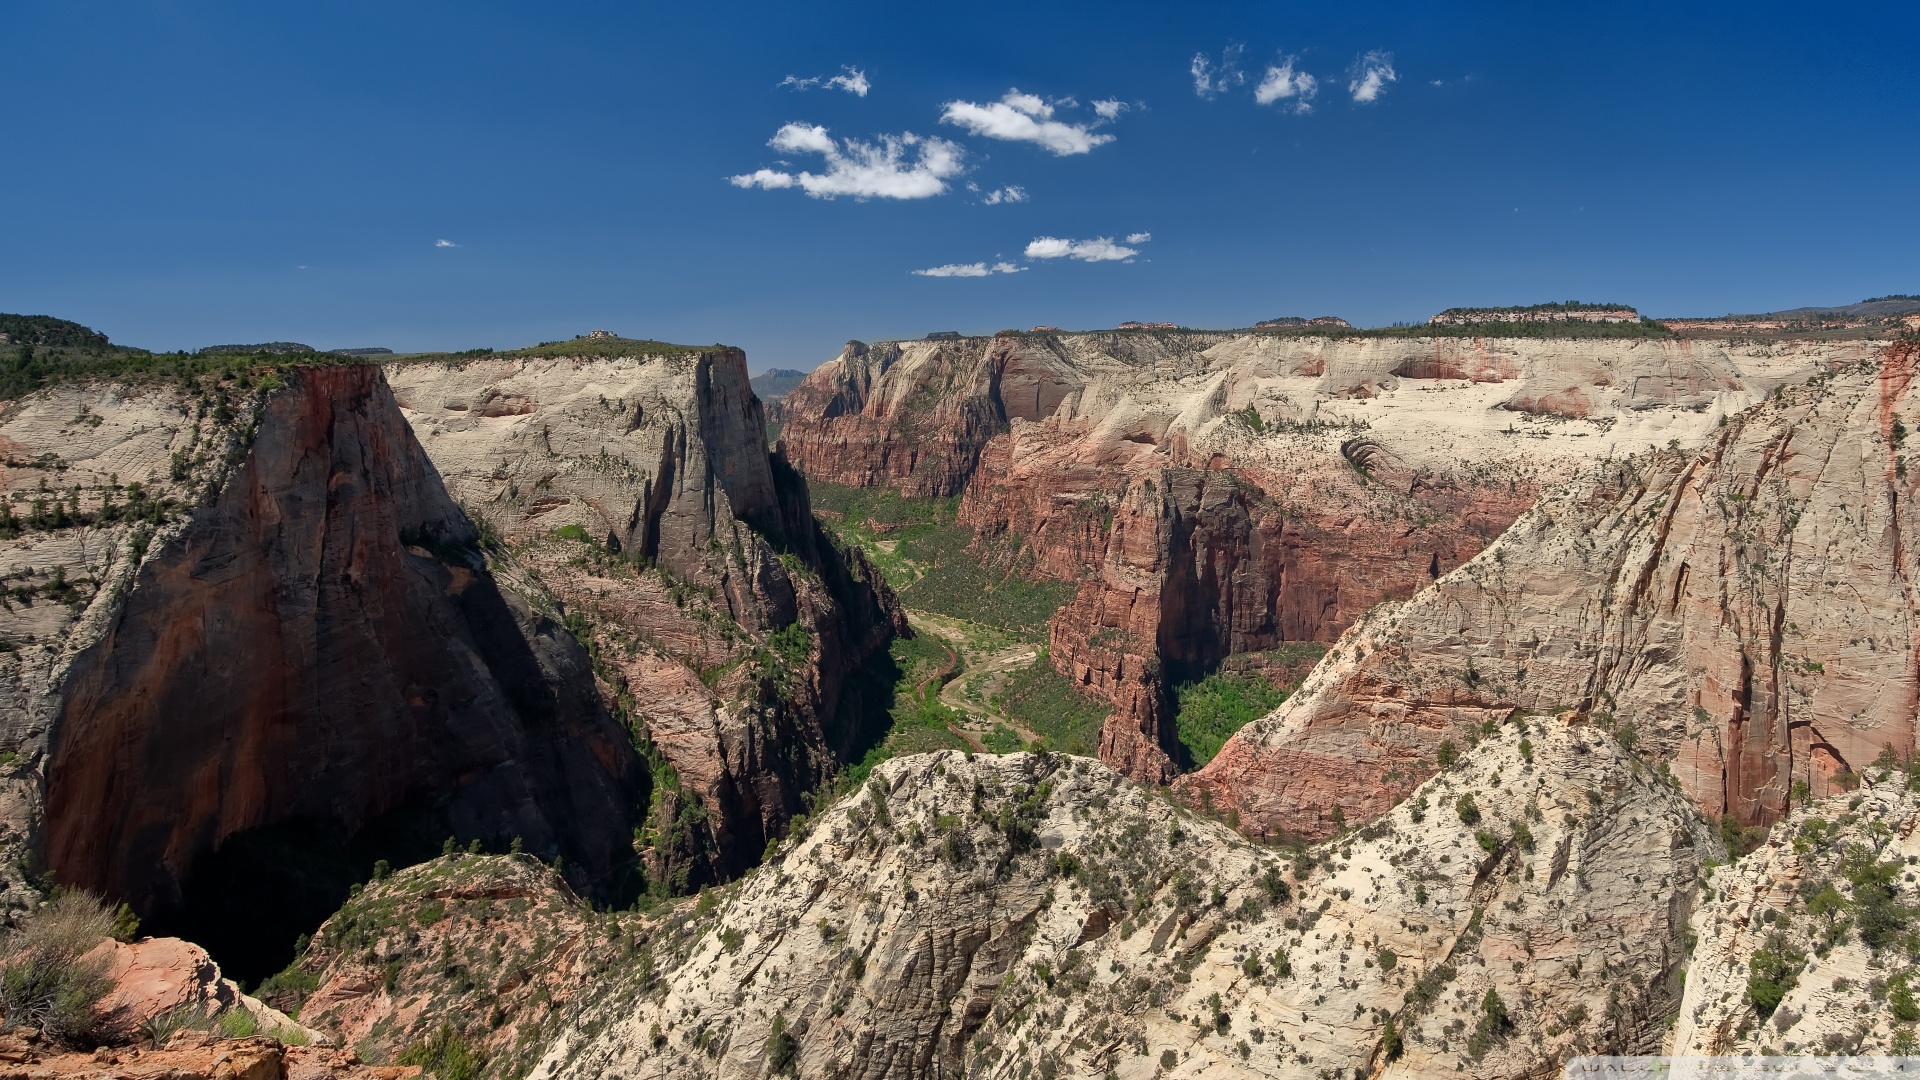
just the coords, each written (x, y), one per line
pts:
(322, 646)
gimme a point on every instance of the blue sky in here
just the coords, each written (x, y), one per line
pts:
(183, 174)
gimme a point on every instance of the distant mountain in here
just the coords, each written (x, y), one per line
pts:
(775, 383)
(1876, 307)
(47, 330)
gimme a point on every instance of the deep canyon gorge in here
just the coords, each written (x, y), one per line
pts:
(1129, 703)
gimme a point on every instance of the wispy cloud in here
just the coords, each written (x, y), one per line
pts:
(1012, 193)
(1019, 117)
(1098, 249)
(979, 269)
(1293, 89)
(1109, 110)
(445, 243)
(1139, 237)
(1370, 75)
(905, 166)
(1211, 79)
(851, 79)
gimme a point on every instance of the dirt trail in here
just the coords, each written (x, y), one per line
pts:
(983, 671)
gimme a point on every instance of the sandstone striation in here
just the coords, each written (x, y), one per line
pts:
(1215, 494)
(1746, 612)
(998, 916)
(640, 494)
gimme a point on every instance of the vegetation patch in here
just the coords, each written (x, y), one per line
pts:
(1047, 703)
(934, 565)
(1211, 710)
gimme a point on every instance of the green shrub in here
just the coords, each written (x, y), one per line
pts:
(1446, 755)
(782, 1051)
(1772, 972)
(237, 1023)
(444, 1054)
(1468, 810)
(44, 982)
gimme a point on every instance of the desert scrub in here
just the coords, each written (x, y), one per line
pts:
(44, 981)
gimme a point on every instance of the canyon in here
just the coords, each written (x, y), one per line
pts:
(1217, 494)
(255, 643)
(516, 714)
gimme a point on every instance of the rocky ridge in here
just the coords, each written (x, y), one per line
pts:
(1746, 612)
(1215, 494)
(993, 916)
(639, 494)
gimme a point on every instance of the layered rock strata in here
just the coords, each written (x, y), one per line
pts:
(640, 493)
(998, 916)
(1220, 493)
(1746, 611)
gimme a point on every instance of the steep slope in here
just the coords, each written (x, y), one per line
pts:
(1805, 946)
(1215, 494)
(638, 490)
(277, 657)
(1748, 613)
(998, 916)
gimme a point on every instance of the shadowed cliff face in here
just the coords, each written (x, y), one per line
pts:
(321, 654)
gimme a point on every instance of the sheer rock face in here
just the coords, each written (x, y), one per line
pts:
(641, 494)
(1834, 954)
(320, 644)
(989, 916)
(1748, 610)
(1217, 493)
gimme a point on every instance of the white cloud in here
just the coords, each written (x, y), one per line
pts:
(851, 79)
(1019, 117)
(1370, 75)
(1109, 110)
(1210, 79)
(1139, 237)
(1098, 249)
(445, 243)
(978, 269)
(881, 169)
(1283, 84)
(1012, 193)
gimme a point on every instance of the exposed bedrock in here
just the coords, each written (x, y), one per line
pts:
(320, 663)
(1747, 611)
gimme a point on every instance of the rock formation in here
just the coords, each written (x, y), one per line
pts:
(1221, 493)
(304, 663)
(1746, 611)
(992, 916)
(640, 493)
